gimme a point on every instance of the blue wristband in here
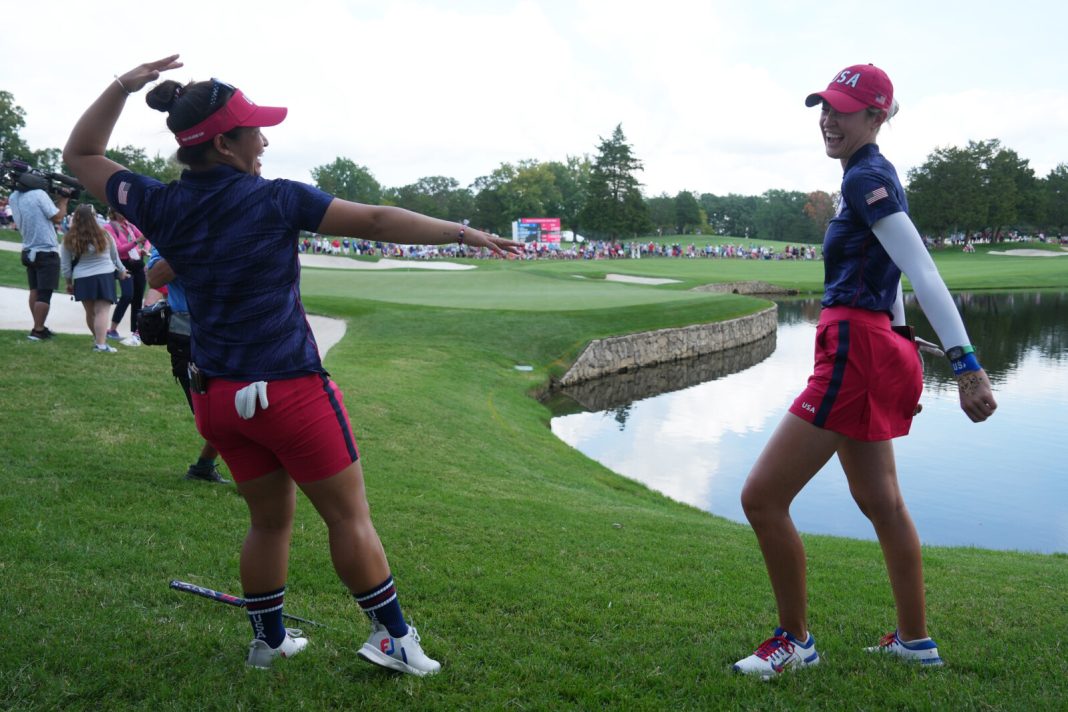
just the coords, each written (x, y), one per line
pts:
(966, 363)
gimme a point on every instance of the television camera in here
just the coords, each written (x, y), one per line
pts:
(19, 175)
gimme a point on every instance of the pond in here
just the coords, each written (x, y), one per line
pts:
(693, 430)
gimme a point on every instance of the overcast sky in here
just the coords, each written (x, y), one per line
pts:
(710, 94)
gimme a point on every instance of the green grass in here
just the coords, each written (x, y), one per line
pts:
(540, 579)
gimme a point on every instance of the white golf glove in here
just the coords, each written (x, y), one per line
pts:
(245, 399)
(928, 347)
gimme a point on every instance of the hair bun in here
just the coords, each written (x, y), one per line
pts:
(163, 96)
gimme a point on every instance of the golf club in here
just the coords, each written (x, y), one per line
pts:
(228, 598)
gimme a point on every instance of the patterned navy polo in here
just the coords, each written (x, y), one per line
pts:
(232, 238)
(857, 270)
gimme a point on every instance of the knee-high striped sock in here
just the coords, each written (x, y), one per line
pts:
(381, 606)
(265, 615)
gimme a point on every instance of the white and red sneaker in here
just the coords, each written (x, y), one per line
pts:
(778, 653)
(403, 654)
(923, 651)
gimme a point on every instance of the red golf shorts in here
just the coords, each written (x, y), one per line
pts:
(304, 430)
(867, 378)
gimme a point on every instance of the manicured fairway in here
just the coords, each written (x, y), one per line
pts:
(541, 580)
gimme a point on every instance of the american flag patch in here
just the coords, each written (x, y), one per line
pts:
(124, 192)
(876, 195)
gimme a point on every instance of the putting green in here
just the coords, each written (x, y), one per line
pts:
(500, 287)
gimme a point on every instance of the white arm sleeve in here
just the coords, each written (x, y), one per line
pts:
(897, 311)
(903, 243)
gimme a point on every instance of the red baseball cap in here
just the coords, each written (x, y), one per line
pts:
(238, 111)
(855, 88)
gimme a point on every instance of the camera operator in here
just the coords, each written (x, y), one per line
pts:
(36, 217)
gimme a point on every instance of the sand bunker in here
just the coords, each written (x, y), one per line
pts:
(638, 280)
(1029, 253)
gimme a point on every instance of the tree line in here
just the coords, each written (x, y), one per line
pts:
(983, 187)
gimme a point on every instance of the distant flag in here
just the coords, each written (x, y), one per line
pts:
(876, 195)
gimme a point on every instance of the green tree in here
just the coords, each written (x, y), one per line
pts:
(1009, 186)
(135, 158)
(614, 205)
(526, 190)
(1028, 205)
(979, 187)
(533, 191)
(662, 214)
(491, 209)
(348, 181)
(572, 179)
(781, 216)
(945, 193)
(48, 159)
(687, 212)
(713, 208)
(820, 208)
(732, 215)
(1055, 188)
(437, 196)
(12, 121)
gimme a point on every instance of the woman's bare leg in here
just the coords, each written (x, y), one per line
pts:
(355, 549)
(794, 454)
(872, 475)
(265, 553)
(90, 315)
(99, 327)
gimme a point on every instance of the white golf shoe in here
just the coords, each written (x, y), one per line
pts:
(261, 655)
(779, 653)
(923, 651)
(403, 654)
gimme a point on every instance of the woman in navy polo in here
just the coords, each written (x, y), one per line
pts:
(261, 395)
(866, 384)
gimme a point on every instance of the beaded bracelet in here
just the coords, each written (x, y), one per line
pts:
(463, 229)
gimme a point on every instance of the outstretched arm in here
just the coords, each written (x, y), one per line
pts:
(84, 152)
(403, 227)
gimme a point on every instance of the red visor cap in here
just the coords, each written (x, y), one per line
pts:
(239, 111)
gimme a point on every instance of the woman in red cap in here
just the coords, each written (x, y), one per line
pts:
(261, 395)
(866, 384)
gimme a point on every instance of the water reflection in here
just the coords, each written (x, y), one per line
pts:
(1001, 484)
(617, 392)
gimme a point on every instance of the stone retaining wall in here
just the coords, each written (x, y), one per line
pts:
(619, 389)
(619, 354)
(750, 287)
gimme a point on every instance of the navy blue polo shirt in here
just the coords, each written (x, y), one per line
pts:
(857, 270)
(232, 238)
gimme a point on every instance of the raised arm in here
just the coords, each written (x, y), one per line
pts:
(84, 152)
(389, 224)
(61, 209)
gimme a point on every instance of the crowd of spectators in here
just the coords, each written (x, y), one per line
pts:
(638, 249)
(588, 250)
